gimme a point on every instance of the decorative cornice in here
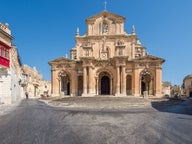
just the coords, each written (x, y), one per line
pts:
(111, 36)
(149, 58)
(6, 34)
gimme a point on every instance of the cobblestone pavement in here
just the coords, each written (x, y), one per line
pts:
(35, 122)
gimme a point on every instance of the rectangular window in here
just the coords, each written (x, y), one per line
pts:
(7, 53)
(4, 52)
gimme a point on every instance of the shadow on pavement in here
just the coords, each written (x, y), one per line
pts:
(174, 106)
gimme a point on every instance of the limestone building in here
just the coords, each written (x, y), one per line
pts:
(5, 67)
(107, 61)
(187, 84)
(10, 68)
(166, 89)
(17, 91)
(33, 82)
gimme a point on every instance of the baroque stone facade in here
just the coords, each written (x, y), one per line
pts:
(107, 61)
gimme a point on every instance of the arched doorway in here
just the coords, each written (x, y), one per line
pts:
(190, 94)
(65, 84)
(146, 83)
(143, 87)
(129, 85)
(104, 85)
(68, 88)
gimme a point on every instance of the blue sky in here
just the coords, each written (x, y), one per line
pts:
(45, 30)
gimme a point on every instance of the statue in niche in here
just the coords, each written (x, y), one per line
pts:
(120, 42)
(105, 27)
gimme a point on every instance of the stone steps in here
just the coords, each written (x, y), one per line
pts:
(101, 102)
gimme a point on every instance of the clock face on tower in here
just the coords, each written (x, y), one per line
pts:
(104, 55)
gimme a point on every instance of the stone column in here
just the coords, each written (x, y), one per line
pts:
(136, 83)
(111, 86)
(51, 81)
(96, 86)
(91, 82)
(92, 29)
(116, 28)
(133, 50)
(118, 82)
(73, 83)
(122, 28)
(84, 81)
(158, 82)
(123, 86)
(152, 86)
(59, 87)
(89, 29)
(55, 83)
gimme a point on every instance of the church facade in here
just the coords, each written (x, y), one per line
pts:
(107, 61)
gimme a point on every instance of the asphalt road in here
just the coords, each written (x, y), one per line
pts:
(33, 122)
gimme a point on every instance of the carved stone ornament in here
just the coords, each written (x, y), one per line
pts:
(128, 70)
(86, 62)
(67, 66)
(120, 42)
(121, 62)
(86, 44)
(103, 64)
(152, 65)
(59, 66)
(142, 65)
(80, 71)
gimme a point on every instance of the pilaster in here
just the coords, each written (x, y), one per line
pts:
(73, 81)
(136, 83)
(91, 82)
(123, 82)
(158, 82)
(118, 82)
(55, 83)
(84, 81)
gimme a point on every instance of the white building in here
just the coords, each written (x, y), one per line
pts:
(11, 89)
(17, 91)
(5, 73)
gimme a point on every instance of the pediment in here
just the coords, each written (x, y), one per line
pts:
(150, 58)
(60, 60)
(107, 14)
